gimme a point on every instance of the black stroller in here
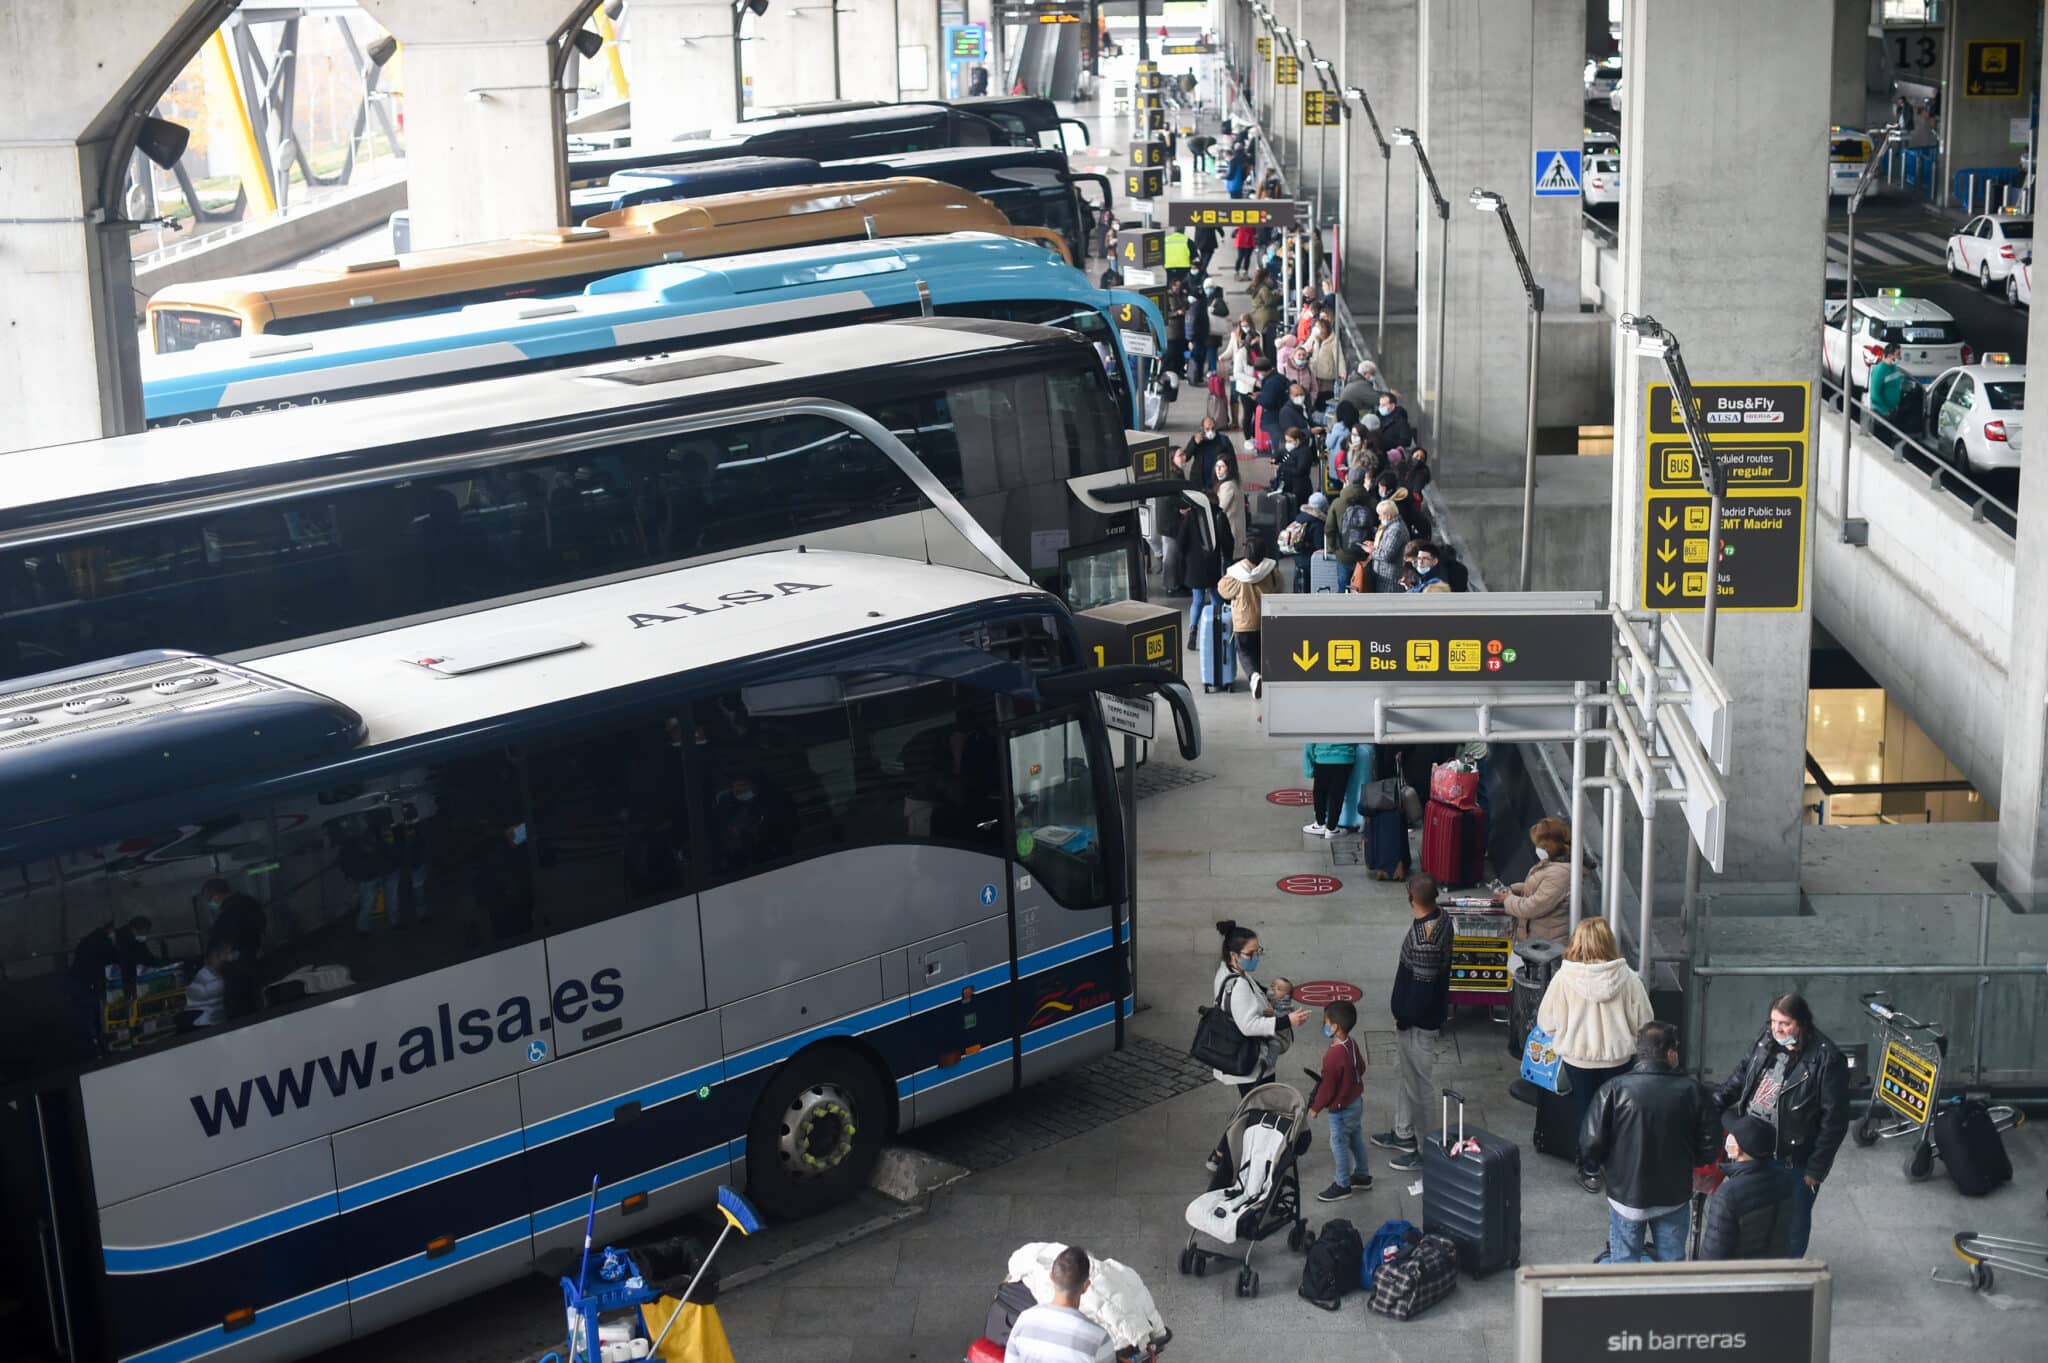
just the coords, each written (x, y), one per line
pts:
(1259, 1191)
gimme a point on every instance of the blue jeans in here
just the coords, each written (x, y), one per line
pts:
(1198, 598)
(1347, 1141)
(1667, 1234)
(1802, 1208)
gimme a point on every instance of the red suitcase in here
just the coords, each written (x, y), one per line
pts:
(1453, 845)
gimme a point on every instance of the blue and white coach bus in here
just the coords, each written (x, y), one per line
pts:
(296, 524)
(730, 298)
(723, 874)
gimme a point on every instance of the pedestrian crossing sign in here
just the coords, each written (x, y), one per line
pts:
(1557, 173)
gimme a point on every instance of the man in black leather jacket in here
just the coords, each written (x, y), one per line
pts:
(1650, 1128)
(1797, 1080)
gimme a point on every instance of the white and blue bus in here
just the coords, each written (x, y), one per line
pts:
(964, 274)
(334, 976)
(297, 524)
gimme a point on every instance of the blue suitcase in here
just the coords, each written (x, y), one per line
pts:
(1219, 665)
(1386, 842)
(1475, 1196)
(1325, 573)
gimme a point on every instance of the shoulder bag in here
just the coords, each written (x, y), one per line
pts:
(1218, 1042)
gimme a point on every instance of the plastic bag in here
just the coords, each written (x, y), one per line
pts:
(1541, 1064)
(1455, 786)
(699, 1337)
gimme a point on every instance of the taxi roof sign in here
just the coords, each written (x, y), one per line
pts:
(1891, 293)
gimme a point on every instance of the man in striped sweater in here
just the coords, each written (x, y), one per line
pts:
(1421, 1001)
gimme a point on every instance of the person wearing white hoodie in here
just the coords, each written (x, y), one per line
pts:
(1592, 1010)
(1244, 585)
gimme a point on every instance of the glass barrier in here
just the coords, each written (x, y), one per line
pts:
(1965, 962)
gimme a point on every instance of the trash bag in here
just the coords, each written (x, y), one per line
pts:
(699, 1337)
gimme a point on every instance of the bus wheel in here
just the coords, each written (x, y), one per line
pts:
(815, 1133)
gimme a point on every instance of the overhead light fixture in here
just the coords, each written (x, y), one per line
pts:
(1321, 63)
(382, 50)
(613, 9)
(588, 42)
(1485, 200)
(759, 7)
(1402, 137)
(1652, 341)
(162, 141)
(1356, 93)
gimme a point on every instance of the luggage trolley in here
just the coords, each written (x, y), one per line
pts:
(1985, 1252)
(1482, 958)
(1906, 1079)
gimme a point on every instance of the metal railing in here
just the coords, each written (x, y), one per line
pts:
(1606, 233)
(1830, 788)
(1943, 474)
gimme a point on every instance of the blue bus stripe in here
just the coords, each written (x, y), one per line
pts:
(291, 1312)
(367, 1285)
(554, 1128)
(939, 995)
(653, 1180)
(431, 1171)
(1069, 1028)
(1040, 961)
(178, 1253)
(939, 1076)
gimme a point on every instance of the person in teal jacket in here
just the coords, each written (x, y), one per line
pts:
(1887, 382)
(1329, 766)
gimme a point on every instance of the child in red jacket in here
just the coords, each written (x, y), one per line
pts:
(1341, 1093)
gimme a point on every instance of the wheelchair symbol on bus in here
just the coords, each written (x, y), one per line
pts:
(536, 1051)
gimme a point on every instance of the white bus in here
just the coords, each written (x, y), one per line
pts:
(333, 976)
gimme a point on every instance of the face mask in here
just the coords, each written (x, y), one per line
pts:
(1293, 445)
(1425, 565)
(1543, 854)
(1785, 1042)
(1734, 1150)
(1250, 962)
(519, 835)
(1329, 1031)
(745, 797)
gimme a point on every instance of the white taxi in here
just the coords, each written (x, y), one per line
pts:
(1602, 75)
(2019, 283)
(1974, 414)
(1928, 338)
(1988, 246)
(1848, 152)
(1603, 180)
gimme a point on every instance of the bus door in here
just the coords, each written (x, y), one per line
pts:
(46, 1232)
(1070, 971)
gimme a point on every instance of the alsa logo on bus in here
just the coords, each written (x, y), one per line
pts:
(419, 1049)
(750, 596)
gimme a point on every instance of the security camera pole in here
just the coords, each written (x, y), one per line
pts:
(1885, 137)
(1379, 334)
(1486, 201)
(1653, 341)
(1407, 137)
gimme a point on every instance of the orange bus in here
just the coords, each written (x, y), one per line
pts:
(563, 259)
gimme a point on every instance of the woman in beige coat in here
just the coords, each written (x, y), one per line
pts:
(1592, 1010)
(1541, 904)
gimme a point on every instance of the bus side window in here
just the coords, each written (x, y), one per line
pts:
(926, 755)
(611, 819)
(1058, 829)
(782, 778)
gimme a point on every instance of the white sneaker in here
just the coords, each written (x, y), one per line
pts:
(1315, 830)
(1258, 684)
(1329, 832)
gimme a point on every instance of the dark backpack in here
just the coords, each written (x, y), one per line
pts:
(1360, 524)
(1012, 1300)
(1332, 1266)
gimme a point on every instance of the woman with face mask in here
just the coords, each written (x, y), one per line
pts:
(1541, 903)
(1236, 984)
(1241, 356)
(1797, 1080)
(1592, 1010)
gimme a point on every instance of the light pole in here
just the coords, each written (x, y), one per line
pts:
(1407, 137)
(1654, 342)
(1323, 79)
(1886, 135)
(1486, 201)
(1379, 334)
(1281, 33)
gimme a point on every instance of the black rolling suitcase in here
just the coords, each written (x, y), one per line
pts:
(1472, 1193)
(1967, 1139)
(1557, 1126)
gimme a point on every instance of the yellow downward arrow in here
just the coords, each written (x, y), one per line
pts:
(1665, 584)
(1666, 520)
(1305, 657)
(1665, 553)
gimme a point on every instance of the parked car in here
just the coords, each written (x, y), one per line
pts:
(1988, 245)
(1848, 152)
(1928, 338)
(1602, 77)
(2019, 283)
(1975, 412)
(1603, 180)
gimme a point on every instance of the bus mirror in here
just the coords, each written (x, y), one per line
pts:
(1135, 679)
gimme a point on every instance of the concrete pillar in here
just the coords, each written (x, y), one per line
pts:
(867, 49)
(68, 357)
(684, 62)
(1703, 93)
(1977, 132)
(919, 38)
(482, 108)
(793, 57)
(1848, 101)
(2023, 786)
(1380, 59)
(1321, 25)
(1498, 82)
